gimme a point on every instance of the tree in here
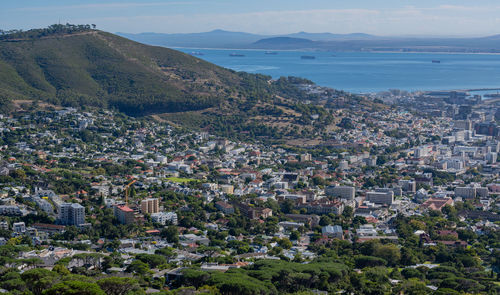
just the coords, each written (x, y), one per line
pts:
(348, 212)
(285, 243)
(209, 251)
(171, 234)
(167, 252)
(446, 291)
(389, 253)
(287, 206)
(153, 260)
(61, 269)
(74, 288)
(408, 256)
(39, 279)
(119, 286)
(362, 261)
(412, 273)
(325, 220)
(31, 262)
(138, 267)
(413, 287)
(18, 174)
(295, 235)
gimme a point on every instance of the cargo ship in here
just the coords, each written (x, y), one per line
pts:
(236, 55)
(270, 52)
(307, 57)
(435, 61)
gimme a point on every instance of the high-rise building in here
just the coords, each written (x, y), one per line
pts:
(491, 158)
(385, 198)
(151, 205)
(344, 192)
(397, 190)
(471, 192)
(486, 128)
(408, 185)
(422, 152)
(463, 124)
(71, 214)
(124, 214)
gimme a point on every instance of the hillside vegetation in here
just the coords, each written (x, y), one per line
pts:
(79, 66)
(90, 67)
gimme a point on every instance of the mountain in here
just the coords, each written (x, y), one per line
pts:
(228, 39)
(321, 41)
(102, 69)
(212, 39)
(91, 67)
(330, 36)
(82, 67)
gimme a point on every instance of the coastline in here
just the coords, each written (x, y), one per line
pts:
(331, 51)
(280, 69)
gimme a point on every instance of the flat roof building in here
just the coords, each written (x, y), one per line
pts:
(124, 214)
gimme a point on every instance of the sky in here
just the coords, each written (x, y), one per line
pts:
(379, 17)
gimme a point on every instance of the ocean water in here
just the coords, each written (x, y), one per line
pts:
(362, 72)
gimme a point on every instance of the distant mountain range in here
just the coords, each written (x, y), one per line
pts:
(227, 39)
(319, 41)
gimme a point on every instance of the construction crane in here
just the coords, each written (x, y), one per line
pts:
(127, 187)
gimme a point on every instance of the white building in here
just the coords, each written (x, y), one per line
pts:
(334, 231)
(344, 192)
(366, 230)
(384, 198)
(19, 227)
(471, 192)
(71, 214)
(164, 217)
(10, 210)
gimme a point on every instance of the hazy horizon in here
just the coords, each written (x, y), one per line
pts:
(307, 32)
(439, 18)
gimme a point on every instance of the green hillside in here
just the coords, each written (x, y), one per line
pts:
(90, 67)
(78, 66)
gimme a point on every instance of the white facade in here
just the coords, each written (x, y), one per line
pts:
(164, 217)
(385, 198)
(344, 192)
(71, 214)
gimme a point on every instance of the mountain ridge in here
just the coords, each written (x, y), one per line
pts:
(219, 38)
(323, 41)
(102, 69)
(96, 69)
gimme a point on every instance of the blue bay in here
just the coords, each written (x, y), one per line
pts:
(360, 72)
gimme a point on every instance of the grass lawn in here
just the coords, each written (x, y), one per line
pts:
(180, 180)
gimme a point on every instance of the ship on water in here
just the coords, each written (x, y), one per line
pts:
(308, 57)
(236, 55)
(271, 52)
(435, 61)
(197, 53)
